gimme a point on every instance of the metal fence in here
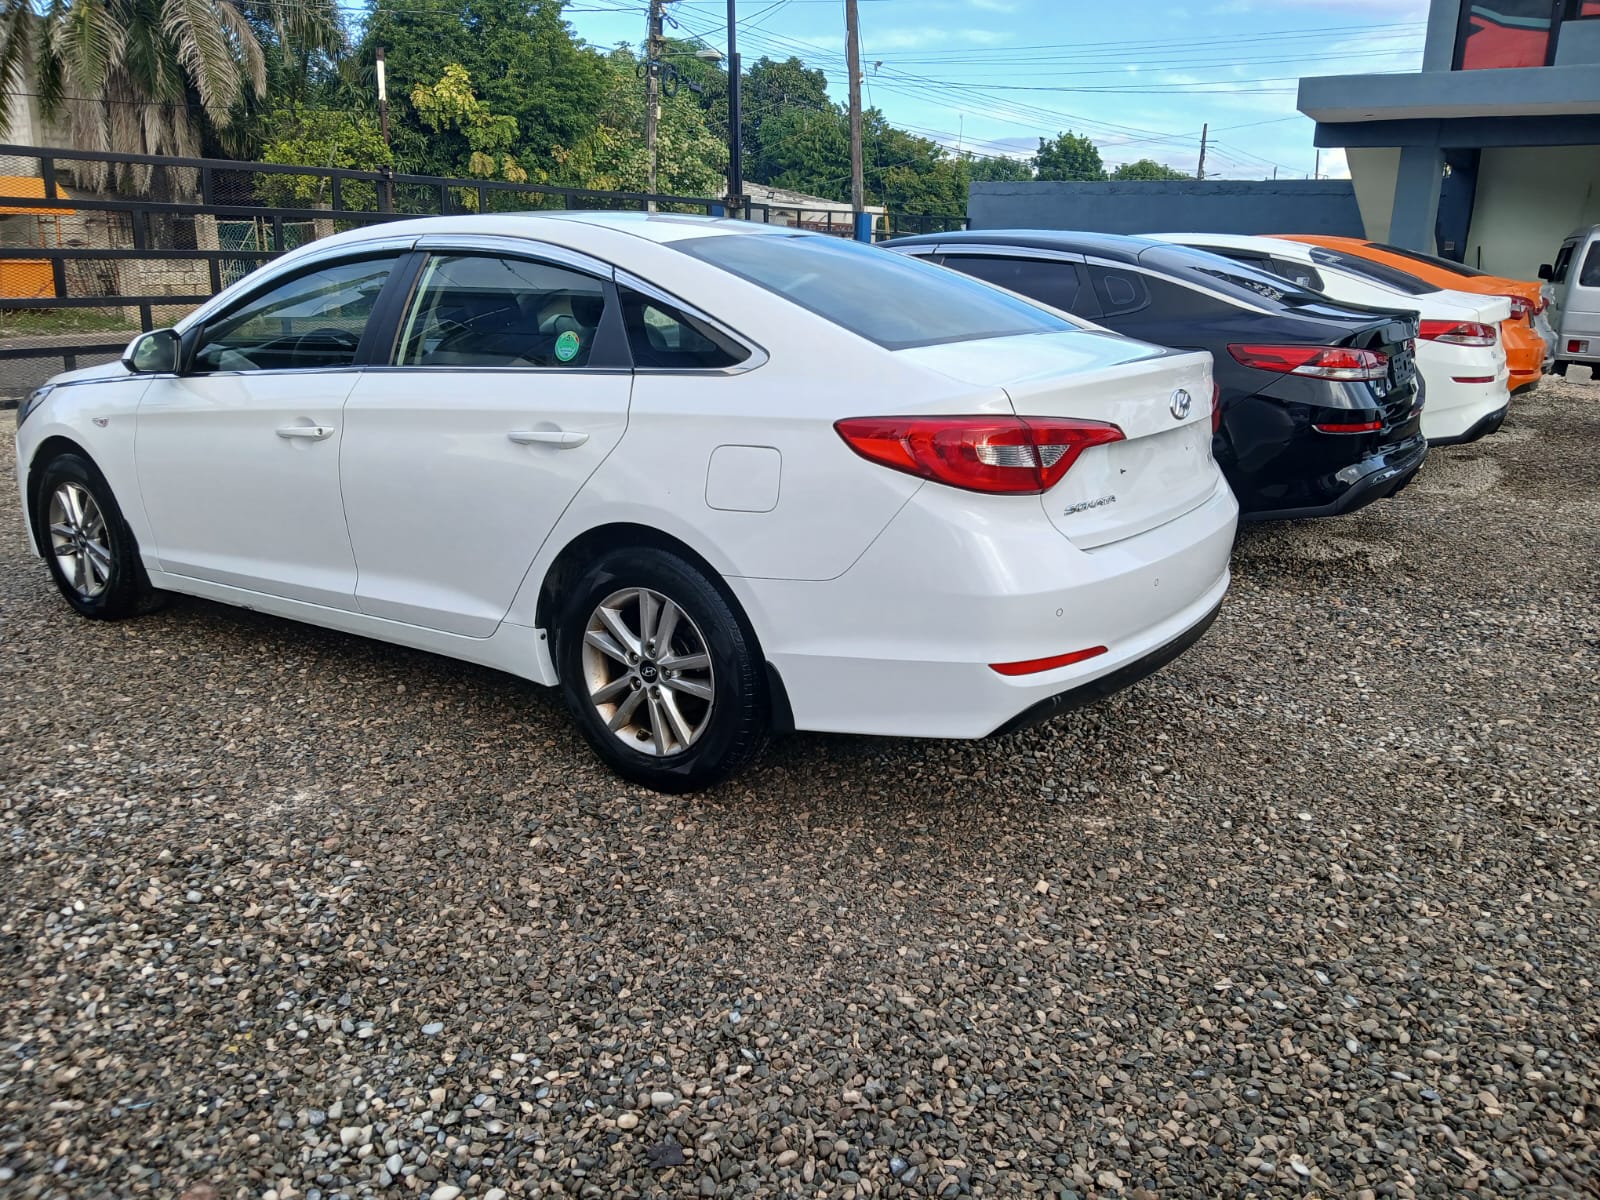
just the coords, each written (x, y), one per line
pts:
(96, 247)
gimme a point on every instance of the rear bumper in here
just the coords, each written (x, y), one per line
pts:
(1457, 408)
(1482, 427)
(900, 645)
(1358, 485)
(1526, 352)
(1124, 677)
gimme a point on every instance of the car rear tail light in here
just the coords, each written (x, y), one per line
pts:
(1459, 333)
(1216, 406)
(1522, 309)
(998, 455)
(1544, 303)
(1033, 666)
(1576, 347)
(1338, 363)
(1348, 426)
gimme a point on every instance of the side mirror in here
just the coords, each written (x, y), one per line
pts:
(1545, 271)
(154, 353)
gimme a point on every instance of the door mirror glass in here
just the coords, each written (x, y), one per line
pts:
(1546, 271)
(154, 353)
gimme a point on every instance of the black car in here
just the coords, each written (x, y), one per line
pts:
(1319, 403)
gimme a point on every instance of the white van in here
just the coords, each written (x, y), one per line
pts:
(1572, 287)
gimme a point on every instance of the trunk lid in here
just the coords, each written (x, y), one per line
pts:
(1162, 469)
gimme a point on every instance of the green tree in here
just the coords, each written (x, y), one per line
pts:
(690, 159)
(997, 169)
(451, 104)
(1068, 156)
(308, 136)
(147, 76)
(1148, 168)
(804, 150)
(523, 62)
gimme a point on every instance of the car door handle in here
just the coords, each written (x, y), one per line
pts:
(562, 439)
(315, 433)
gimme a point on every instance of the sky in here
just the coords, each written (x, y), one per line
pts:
(994, 76)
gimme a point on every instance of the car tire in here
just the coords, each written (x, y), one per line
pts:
(676, 715)
(91, 552)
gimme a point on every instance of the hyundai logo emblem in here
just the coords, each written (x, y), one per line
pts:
(1181, 402)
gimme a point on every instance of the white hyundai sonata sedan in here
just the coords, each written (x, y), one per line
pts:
(710, 478)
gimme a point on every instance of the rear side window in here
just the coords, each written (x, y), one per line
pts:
(482, 311)
(895, 300)
(1365, 268)
(1119, 291)
(663, 337)
(1590, 275)
(1050, 282)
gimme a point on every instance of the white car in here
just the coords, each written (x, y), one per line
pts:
(711, 478)
(1459, 353)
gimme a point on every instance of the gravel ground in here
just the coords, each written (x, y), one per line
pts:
(1311, 913)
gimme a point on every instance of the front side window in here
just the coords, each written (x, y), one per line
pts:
(1558, 274)
(1051, 282)
(895, 300)
(662, 337)
(474, 310)
(1590, 275)
(314, 321)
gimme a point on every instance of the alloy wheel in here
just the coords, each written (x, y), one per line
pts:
(78, 539)
(648, 672)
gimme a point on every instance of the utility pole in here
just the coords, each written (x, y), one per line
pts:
(653, 45)
(1200, 171)
(735, 120)
(1317, 170)
(852, 32)
(386, 193)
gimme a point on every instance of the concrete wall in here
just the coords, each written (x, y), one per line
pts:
(1529, 198)
(1373, 171)
(1181, 206)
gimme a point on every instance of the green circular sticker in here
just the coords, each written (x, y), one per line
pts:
(567, 346)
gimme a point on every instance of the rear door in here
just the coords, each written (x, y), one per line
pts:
(504, 388)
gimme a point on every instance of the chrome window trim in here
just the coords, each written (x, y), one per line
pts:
(501, 245)
(990, 250)
(758, 354)
(1183, 283)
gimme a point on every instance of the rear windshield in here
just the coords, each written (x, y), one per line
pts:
(891, 299)
(1431, 259)
(1392, 277)
(1235, 280)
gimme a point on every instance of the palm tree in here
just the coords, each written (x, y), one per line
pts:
(142, 76)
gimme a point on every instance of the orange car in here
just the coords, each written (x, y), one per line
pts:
(1526, 349)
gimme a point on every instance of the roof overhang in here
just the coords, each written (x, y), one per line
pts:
(1447, 95)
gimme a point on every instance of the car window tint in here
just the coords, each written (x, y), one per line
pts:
(1448, 264)
(1558, 274)
(314, 320)
(662, 336)
(1119, 291)
(482, 311)
(1590, 275)
(1050, 282)
(1365, 268)
(1303, 274)
(895, 300)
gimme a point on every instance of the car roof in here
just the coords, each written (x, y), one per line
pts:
(654, 227)
(1114, 246)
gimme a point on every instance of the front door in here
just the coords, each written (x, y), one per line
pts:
(508, 385)
(238, 457)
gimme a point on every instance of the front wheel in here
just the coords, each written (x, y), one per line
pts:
(661, 674)
(89, 547)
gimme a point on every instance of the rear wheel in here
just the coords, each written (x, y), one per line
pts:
(660, 672)
(88, 546)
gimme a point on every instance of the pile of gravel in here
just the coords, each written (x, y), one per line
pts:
(1313, 912)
